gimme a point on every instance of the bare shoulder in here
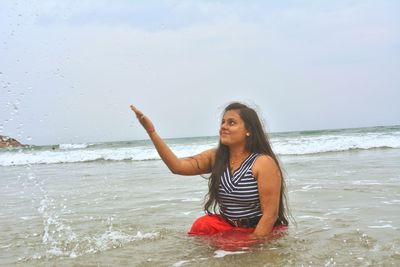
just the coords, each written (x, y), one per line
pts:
(265, 164)
(265, 160)
(210, 154)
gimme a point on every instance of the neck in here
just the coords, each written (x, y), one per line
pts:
(237, 152)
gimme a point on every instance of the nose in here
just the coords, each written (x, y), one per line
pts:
(223, 126)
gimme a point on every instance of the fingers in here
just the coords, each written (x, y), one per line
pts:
(144, 121)
(134, 109)
(138, 113)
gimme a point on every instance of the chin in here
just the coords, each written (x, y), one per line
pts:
(224, 141)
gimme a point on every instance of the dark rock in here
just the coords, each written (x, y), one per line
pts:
(6, 141)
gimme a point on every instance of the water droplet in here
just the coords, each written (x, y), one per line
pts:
(28, 138)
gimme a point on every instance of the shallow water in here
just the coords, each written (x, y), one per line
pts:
(345, 205)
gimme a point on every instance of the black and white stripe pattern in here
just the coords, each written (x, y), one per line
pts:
(238, 192)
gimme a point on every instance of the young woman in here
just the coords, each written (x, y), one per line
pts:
(246, 186)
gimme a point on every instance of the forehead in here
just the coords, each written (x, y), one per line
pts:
(232, 114)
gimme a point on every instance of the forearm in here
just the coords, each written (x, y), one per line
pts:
(166, 154)
(264, 226)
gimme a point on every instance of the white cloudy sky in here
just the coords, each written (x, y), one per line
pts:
(70, 69)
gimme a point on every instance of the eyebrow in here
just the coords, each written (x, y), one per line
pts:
(229, 119)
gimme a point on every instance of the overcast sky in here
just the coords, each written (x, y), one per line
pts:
(70, 69)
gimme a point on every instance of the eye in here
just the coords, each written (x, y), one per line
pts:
(231, 122)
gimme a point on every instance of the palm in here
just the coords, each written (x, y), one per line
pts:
(144, 120)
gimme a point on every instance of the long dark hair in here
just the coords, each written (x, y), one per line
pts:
(257, 142)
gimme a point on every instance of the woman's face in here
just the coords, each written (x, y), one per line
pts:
(232, 130)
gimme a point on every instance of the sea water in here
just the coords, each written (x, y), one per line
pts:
(118, 204)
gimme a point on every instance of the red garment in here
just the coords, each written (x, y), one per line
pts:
(225, 236)
(213, 224)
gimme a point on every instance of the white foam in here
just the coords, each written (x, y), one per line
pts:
(27, 218)
(222, 253)
(309, 187)
(72, 146)
(366, 182)
(331, 143)
(382, 226)
(113, 239)
(193, 199)
(26, 157)
(391, 202)
(312, 217)
(180, 263)
(283, 145)
(89, 245)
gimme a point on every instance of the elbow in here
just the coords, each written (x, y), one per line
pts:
(174, 169)
(178, 168)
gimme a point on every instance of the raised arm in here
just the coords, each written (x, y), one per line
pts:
(197, 164)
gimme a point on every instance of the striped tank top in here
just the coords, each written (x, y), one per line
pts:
(238, 192)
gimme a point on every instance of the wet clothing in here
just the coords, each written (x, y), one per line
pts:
(223, 235)
(238, 192)
(240, 209)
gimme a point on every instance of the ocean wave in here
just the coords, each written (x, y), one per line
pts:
(283, 145)
(335, 143)
(29, 157)
(14, 159)
(72, 146)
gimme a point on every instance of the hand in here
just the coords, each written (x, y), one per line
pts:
(235, 240)
(144, 120)
(256, 236)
